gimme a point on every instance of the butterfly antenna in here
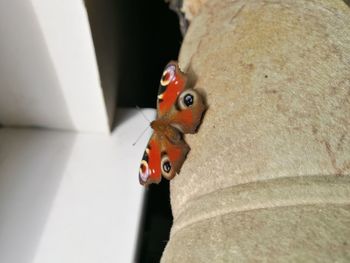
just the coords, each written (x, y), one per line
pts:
(140, 136)
(141, 112)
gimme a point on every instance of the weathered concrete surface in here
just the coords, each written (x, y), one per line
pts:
(268, 175)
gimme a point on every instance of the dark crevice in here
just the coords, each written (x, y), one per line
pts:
(149, 37)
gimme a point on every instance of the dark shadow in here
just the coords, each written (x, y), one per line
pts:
(141, 37)
(122, 116)
(104, 29)
(149, 38)
(157, 221)
(32, 163)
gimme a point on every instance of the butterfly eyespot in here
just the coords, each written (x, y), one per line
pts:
(165, 79)
(186, 99)
(144, 171)
(166, 166)
(168, 75)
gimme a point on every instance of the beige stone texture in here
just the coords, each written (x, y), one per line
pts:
(267, 178)
(192, 7)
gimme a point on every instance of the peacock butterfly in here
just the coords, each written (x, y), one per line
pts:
(179, 111)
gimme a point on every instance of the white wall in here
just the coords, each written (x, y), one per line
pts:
(71, 197)
(48, 70)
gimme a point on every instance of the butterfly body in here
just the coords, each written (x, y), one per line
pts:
(179, 111)
(166, 131)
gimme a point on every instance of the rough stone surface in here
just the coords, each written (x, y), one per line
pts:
(268, 174)
(192, 7)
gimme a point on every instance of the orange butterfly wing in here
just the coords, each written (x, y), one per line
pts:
(172, 83)
(150, 169)
(188, 111)
(162, 158)
(181, 106)
(179, 110)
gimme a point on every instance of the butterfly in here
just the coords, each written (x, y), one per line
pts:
(179, 111)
